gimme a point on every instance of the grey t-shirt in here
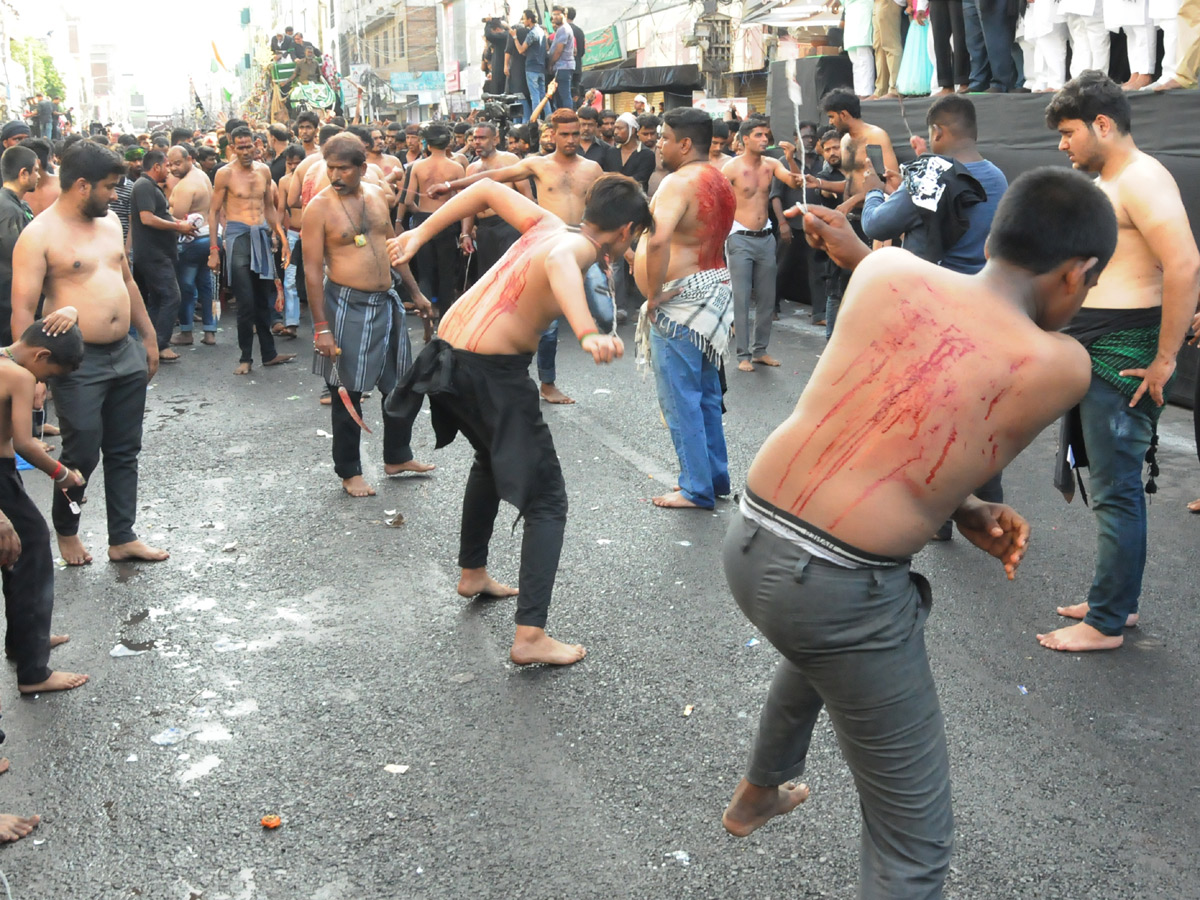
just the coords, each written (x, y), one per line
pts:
(564, 37)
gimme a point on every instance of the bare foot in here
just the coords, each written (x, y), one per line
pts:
(356, 487)
(13, 828)
(1079, 610)
(58, 681)
(4, 765)
(533, 645)
(280, 359)
(137, 551)
(753, 806)
(478, 583)
(412, 465)
(50, 431)
(745, 366)
(1194, 506)
(73, 551)
(1170, 84)
(674, 500)
(551, 394)
(1080, 638)
(766, 360)
(168, 356)
(57, 640)
(209, 339)
(1137, 82)
(243, 368)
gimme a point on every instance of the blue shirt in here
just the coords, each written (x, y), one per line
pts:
(887, 219)
(564, 37)
(535, 51)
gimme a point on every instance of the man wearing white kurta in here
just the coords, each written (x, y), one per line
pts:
(1165, 14)
(858, 42)
(1043, 37)
(1134, 17)
(1089, 36)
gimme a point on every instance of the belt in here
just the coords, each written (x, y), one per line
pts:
(762, 233)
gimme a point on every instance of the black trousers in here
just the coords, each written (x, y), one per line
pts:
(255, 301)
(100, 408)
(493, 237)
(949, 43)
(438, 265)
(28, 583)
(397, 433)
(495, 405)
(159, 284)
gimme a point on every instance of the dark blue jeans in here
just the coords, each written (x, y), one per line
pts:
(195, 284)
(990, 36)
(562, 99)
(1117, 439)
(689, 394)
(598, 290)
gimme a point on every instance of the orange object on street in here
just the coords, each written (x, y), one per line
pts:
(271, 821)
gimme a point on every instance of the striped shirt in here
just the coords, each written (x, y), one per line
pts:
(121, 202)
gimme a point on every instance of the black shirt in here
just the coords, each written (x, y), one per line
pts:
(639, 166)
(282, 44)
(580, 49)
(608, 156)
(516, 63)
(45, 111)
(150, 245)
(15, 214)
(790, 196)
(278, 167)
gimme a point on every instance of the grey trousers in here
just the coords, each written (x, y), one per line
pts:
(100, 407)
(752, 277)
(853, 642)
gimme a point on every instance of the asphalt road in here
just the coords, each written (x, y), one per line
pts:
(300, 645)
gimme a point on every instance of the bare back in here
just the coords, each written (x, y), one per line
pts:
(426, 173)
(43, 196)
(76, 263)
(192, 195)
(930, 386)
(1133, 278)
(501, 159)
(698, 238)
(507, 310)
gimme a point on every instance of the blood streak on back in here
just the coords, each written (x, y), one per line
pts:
(717, 205)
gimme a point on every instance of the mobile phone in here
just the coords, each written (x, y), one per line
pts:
(875, 156)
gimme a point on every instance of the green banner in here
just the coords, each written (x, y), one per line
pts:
(602, 46)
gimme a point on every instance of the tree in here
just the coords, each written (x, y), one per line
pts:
(45, 74)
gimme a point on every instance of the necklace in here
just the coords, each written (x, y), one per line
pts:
(360, 239)
(8, 353)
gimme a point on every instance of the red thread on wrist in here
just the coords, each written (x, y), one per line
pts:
(57, 469)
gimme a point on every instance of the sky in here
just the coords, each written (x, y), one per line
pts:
(158, 50)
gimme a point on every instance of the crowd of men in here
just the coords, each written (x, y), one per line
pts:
(948, 353)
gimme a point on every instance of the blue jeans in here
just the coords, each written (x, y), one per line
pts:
(1117, 439)
(291, 297)
(689, 395)
(598, 291)
(563, 97)
(990, 36)
(536, 82)
(195, 284)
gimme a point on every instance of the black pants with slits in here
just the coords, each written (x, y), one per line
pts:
(28, 583)
(159, 284)
(255, 301)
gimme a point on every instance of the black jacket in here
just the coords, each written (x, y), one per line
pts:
(15, 214)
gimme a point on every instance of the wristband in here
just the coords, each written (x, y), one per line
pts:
(325, 331)
(319, 324)
(58, 468)
(587, 334)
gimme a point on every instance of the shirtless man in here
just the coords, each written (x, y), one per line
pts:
(562, 181)
(1140, 310)
(73, 253)
(844, 110)
(191, 201)
(487, 235)
(437, 262)
(346, 229)
(681, 269)
(377, 156)
(933, 381)
(751, 243)
(244, 198)
(484, 348)
(47, 190)
(293, 155)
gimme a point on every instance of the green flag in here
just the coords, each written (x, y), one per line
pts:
(227, 95)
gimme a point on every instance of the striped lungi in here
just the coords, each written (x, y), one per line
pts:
(371, 331)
